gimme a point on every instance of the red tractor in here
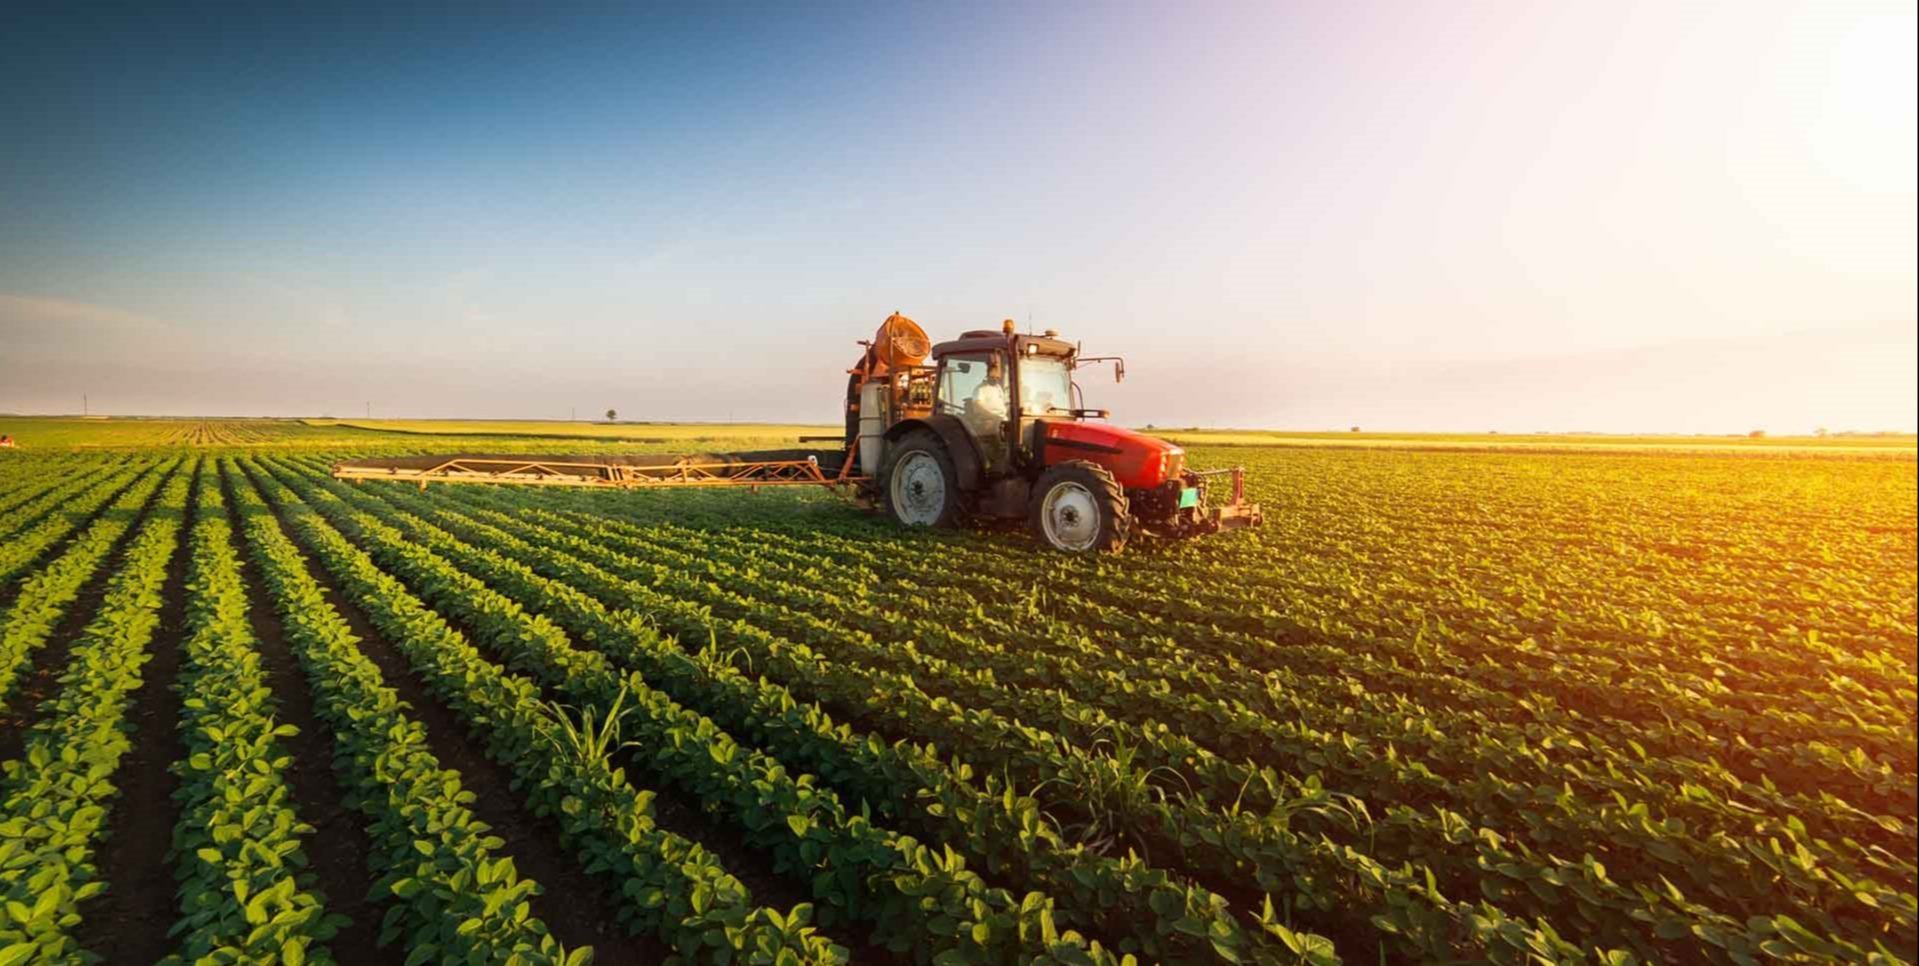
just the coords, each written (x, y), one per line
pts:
(995, 428)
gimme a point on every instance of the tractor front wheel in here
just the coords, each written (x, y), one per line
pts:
(921, 487)
(1078, 507)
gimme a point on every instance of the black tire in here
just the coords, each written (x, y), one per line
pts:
(1068, 492)
(919, 454)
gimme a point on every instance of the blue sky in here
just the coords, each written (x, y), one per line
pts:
(1580, 216)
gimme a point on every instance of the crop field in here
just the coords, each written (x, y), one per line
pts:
(1509, 704)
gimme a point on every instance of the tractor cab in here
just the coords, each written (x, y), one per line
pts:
(1000, 386)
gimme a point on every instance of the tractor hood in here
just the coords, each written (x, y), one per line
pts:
(1136, 460)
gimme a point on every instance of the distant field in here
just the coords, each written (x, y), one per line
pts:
(43, 433)
(1563, 441)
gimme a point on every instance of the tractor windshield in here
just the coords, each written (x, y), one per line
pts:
(1045, 385)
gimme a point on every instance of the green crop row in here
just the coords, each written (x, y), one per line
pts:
(1328, 877)
(44, 597)
(1157, 916)
(1185, 627)
(57, 795)
(670, 887)
(237, 847)
(1334, 887)
(917, 898)
(1684, 843)
(19, 551)
(28, 502)
(1575, 883)
(1634, 845)
(450, 895)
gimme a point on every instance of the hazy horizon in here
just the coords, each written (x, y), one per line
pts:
(1575, 218)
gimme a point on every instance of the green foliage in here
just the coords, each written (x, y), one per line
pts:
(915, 898)
(589, 742)
(1519, 706)
(997, 829)
(672, 887)
(449, 896)
(1467, 768)
(238, 845)
(55, 799)
(45, 595)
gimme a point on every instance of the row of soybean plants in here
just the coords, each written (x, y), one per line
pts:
(1153, 914)
(1645, 764)
(1202, 598)
(1645, 639)
(55, 799)
(1196, 616)
(1211, 844)
(238, 845)
(912, 896)
(1693, 702)
(1085, 775)
(670, 887)
(45, 596)
(1697, 562)
(1646, 815)
(30, 501)
(1156, 907)
(1631, 916)
(449, 894)
(1605, 761)
(43, 523)
(42, 483)
(22, 474)
(1259, 648)
(1455, 764)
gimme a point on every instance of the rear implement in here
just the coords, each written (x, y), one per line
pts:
(774, 468)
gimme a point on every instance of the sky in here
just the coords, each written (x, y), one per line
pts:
(1582, 216)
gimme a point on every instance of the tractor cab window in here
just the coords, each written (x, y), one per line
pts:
(973, 388)
(1045, 386)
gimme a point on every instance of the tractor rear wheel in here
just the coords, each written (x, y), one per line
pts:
(1078, 507)
(920, 487)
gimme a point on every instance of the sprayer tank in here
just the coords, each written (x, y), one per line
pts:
(873, 403)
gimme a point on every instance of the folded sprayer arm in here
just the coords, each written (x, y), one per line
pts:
(780, 468)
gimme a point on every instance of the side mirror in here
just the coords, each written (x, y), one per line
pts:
(1119, 370)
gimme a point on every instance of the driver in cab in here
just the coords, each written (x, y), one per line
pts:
(986, 409)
